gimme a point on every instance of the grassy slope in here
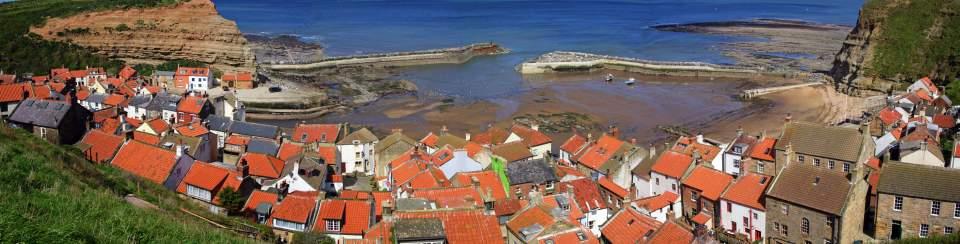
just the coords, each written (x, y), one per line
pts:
(907, 48)
(52, 195)
(22, 52)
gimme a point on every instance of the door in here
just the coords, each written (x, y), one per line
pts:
(757, 236)
(896, 230)
(733, 226)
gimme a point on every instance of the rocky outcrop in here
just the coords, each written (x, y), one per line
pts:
(856, 55)
(191, 30)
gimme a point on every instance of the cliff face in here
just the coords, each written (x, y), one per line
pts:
(857, 54)
(192, 30)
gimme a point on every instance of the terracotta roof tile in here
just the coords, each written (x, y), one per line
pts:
(355, 215)
(597, 154)
(430, 140)
(701, 218)
(671, 233)
(463, 226)
(379, 197)
(748, 191)
(488, 181)
(193, 129)
(152, 163)
(210, 177)
(451, 197)
(944, 121)
(530, 136)
(574, 144)
(763, 150)
(573, 215)
(473, 148)
(889, 116)
(14, 92)
(628, 226)
(509, 206)
(672, 164)
(115, 100)
(257, 197)
(237, 140)
(191, 104)
(146, 138)
(262, 165)
(539, 214)
(309, 133)
(102, 145)
(612, 187)
(493, 136)
(658, 202)
(295, 207)
(289, 150)
(328, 154)
(585, 193)
(710, 182)
(158, 125)
(689, 145)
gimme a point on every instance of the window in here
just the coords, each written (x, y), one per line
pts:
(738, 149)
(831, 164)
(745, 227)
(657, 181)
(816, 162)
(947, 230)
(674, 187)
(549, 185)
(935, 208)
(784, 230)
(807, 242)
(288, 225)
(756, 215)
(897, 203)
(846, 167)
(805, 226)
(694, 196)
(736, 163)
(924, 230)
(333, 225)
(358, 154)
(829, 221)
(800, 158)
(956, 210)
(730, 208)
(759, 166)
(785, 209)
(776, 227)
(198, 193)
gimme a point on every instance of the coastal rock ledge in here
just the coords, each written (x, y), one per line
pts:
(191, 30)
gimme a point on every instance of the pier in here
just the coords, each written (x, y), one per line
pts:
(456, 55)
(562, 61)
(752, 93)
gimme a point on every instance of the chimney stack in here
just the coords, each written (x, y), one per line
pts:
(443, 130)
(467, 136)
(700, 138)
(788, 118)
(535, 126)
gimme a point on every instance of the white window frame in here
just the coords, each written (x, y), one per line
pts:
(935, 208)
(846, 167)
(897, 203)
(956, 210)
(924, 230)
(333, 225)
(198, 193)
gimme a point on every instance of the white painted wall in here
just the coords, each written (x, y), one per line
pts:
(598, 216)
(922, 157)
(736, 214)
(135, 112)
(353, 163)
(662, 183)
(199, 83)
(731, 163)
(169, 115)
(642, 186)
(541, 150)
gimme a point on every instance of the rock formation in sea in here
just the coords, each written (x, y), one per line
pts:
(191, 30)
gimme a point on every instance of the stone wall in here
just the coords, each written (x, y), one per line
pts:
(819, 228)
(396, 59)
(915, 211)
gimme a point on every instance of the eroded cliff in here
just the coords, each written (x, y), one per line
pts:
(192, 30)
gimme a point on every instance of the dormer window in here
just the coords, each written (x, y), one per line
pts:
(333, 225)
(303, 137)
(323, 138)
(738, 149)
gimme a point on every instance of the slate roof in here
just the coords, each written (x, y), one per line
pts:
(40, 112)
(919, 181)
(533, 171)
(492, 136)
(218, 123)
(141, 101)
(795, 184)
(363, 135)
(264, 146)
(254, 129)
(808, 138)
(418, 229)
(163, 101)
(462, 226)
(97, 98)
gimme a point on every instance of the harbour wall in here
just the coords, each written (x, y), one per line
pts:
(559, 62)
(456, 55)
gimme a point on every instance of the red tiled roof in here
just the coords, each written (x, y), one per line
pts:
(488, 181)
(78, 73)
(600, 152)
(672, 164)
(210, 177)
(536, 215)
(563, 171)
(585, 193)
(237, 140)
(569, 236)
(239, 76)
(379, 233)
(58, 87)
(451, 197)
(473, 148)
(309, 133)
(671, 233)
(530, 136)
(430, 140)
(82, 95)
(889, 115)
(462, 226)
(7, 79)
(127, 72)
(628, 226)
(956, 149)
(263, 165)
(351, 194)
(659, 201)
(193, 129)
(14, 92)
(41, 92)
(328, 154)
(612, 187)
(146, 138)
(923, 94)
(191, 104)
(492, 136)
(509, 206)
(573, 215)
(710, 182)
(763, 150)
(573, 144)
(442, 156)
(288, 150)
(944, 121)
(158, 125)
(150, 162)
(379, 197)
(102, 145)
(748, 191)
(257, 197)
(114, 100)
(355, 215)
(929, 83)
(295, 207)
(39, 79)
(689, 145)
(701, 218)
(874, 163)
(873, 179)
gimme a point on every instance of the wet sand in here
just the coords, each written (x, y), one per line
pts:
(699, 104)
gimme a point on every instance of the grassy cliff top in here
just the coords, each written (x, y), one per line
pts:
(917, 39)
(52, 195)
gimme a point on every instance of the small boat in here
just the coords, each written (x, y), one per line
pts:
(609, 78)
(630, 82)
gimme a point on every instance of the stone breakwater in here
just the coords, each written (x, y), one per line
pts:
(562, 61)
(456, 55)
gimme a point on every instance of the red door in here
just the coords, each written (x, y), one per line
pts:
(757, 236)
(733, 226)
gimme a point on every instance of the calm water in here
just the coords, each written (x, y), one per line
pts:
(528, 28)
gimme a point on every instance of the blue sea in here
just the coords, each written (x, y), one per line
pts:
(527, 28)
